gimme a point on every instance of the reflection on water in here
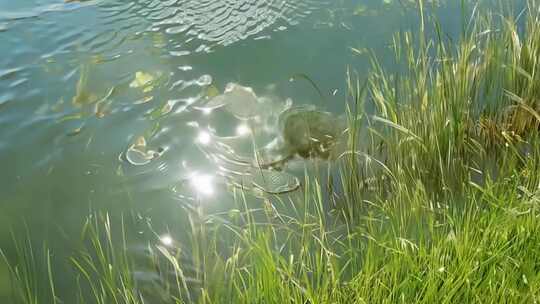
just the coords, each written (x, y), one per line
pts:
(233, 155)
(243, 130)
(204, 138)
(166, 240)
(202, 183)
(225, 22)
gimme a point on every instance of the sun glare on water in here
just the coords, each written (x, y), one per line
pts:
(204, 138)
(202, 183)
(166, 240)
(242, 130)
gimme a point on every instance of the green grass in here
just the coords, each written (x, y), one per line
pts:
(437, 200)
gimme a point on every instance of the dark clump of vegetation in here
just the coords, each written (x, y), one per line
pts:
(438, 199)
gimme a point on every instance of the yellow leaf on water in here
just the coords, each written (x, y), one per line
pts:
(212, 91)
(140, 142)
(142, 79)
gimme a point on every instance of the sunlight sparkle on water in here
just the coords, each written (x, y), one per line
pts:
(166, 240)
(243, 130)
(204, 138)
(202, 183)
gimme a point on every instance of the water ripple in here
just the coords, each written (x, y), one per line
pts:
(225, 22)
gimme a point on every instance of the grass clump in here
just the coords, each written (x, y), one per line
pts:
(437, 200)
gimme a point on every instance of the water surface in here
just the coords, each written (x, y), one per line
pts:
(81, 82)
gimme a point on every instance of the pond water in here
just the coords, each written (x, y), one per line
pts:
(83, 82)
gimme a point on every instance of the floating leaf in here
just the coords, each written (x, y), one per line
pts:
(212, 91)
(140, 143)
(143, 80)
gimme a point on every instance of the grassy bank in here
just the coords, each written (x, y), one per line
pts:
(436, 200)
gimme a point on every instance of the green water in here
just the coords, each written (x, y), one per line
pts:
(70, 105)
